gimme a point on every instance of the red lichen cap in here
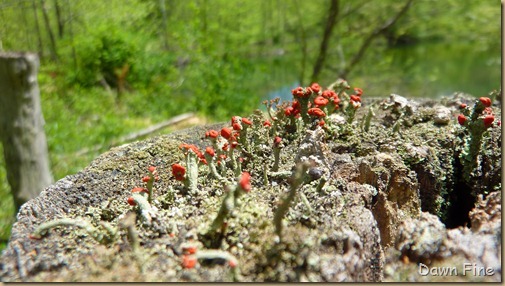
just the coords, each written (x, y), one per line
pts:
(297, 92)
(189, 249)
(355, 98)
(316, 88)
(316, 112)
(209, 150)
(146, 179)
(488, 110)
(336, 101)
(191, 147)
(462, 106)
(237, 126)
(488, 120)
(189, 261)
(226, 132)
(358, 91)
(152, 169)
(486, 101)
(139, 190)
(211, 134)
(131, 201)
(320, 101)
(233, 263)
(245, 182)
(461, 119)
(246, 121)
(288, 111)
(178, 171)
(267, 123)
(277, 141)
(328, 94)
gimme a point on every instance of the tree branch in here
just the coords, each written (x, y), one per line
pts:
(330, 24)
(368, 41)
(351, 11)
(138, 134)
(303, 42)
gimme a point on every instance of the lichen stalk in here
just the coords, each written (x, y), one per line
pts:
(146, 210)
(368, 119)
(100, 237)
(297, 179)
(191, 180)
(212, 168)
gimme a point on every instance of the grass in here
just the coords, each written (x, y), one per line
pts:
(6, 205)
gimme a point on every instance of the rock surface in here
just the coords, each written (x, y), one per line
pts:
(382, 212)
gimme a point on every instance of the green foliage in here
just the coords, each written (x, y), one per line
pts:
(101, 53)
(6, 205)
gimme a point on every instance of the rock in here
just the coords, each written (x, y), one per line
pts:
(443, 115)
(398, 192)
(420, 239)
(312, 149)
(400, 104)
(473, 253)
(486, 217)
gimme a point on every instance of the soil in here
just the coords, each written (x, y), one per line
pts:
(394, 199)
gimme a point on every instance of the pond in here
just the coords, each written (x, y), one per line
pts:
(423, 70)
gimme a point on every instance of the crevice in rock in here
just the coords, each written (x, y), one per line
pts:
(460, 201)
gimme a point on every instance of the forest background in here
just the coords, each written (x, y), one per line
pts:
(110, 68)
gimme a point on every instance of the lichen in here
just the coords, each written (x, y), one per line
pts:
(336, 225)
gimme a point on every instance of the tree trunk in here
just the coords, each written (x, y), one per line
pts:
(22, 136)
(61, 23)
(40, 46)
(71, 33)
(303, 43)
(328, 29)
(28, 41)
(203, 14)
(54, 54)
(164, 23)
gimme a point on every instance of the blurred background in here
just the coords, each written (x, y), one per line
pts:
(111, 68)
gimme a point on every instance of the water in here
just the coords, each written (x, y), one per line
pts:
(284, 93)
(434, 70)
(427, 70)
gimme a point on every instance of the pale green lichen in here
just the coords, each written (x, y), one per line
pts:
(106, 235)
(296, 181)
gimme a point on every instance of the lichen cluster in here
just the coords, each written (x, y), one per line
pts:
(303, 192)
